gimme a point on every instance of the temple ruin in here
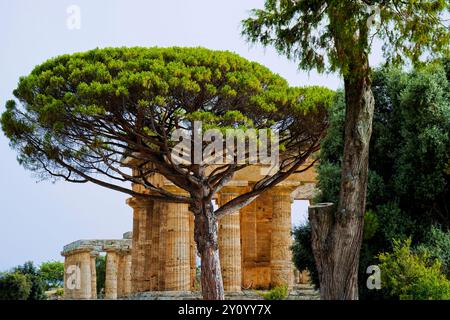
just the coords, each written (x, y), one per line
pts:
(254, 243)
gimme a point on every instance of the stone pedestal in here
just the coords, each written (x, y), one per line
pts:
(230, 246)
(281, 256)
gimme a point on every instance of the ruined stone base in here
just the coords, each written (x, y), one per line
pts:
(299, 292)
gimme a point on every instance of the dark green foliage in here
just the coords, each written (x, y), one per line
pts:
(409, 149)
(437, 246)
(408, 188)
(52, 273)
(412, 276)
(100, 269)
(14, 286)
(302, 254)
(80, 115)
(329, 34)
(37, 291)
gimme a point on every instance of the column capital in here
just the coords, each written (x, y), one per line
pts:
(76, 251)
(135, 202)
(282, 190)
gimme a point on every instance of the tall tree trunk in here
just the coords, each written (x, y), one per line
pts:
(337, 233)
(206, 237)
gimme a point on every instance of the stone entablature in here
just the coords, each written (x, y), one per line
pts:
(97, 245)
(254, 242)
(160, 254)
(80, 279)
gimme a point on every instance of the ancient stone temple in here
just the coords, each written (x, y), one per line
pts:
(254, 243)
(80, 279)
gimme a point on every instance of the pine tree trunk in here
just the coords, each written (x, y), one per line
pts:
(206, 237)
(337, 234)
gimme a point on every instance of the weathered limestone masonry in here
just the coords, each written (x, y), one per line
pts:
(80, 279)
(254, 242)
(161, 256)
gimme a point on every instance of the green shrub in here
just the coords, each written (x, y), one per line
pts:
(100, 269)
(52, 273)
(302, 254)
(14, 286)
(37, 283)
(412, 276)
(277, 293)
(437, 246)
(59, 292)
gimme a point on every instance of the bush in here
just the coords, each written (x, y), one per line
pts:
(14, 286)
(59, 292)
(37, 284)
(437, 246)
(100, 269)
(52, 273)
(302, 254)
(412, 276)
(277, 293)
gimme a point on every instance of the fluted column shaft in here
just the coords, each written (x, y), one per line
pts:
(230, 247)
(112, 265)
(193, 253)
(281, 256)
(177, 268)
(141, 244)
(126, 274)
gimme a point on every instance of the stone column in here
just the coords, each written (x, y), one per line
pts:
(94, 256)
(162, 244)
(126, 274)
(112, 262)
(77, 274)
(120, 278)
(230, 246)
(141, 243)
(177, 266)
(281, 256)
(68, 276)
(249, 247)
(193, 253)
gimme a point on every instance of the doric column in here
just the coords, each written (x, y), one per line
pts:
(77, 274)
(85, 267)
(281, 256)
(112, 262)
(193, 253)
(70, 280)
(94, 256)
(141, 243)
(230, 245)
(126, 274)
(249, 247)
(120, 274)
(177, 267)
(162, 244)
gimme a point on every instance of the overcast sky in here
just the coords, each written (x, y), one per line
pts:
(38, 218)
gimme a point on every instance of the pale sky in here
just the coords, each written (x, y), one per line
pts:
(38, 219)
